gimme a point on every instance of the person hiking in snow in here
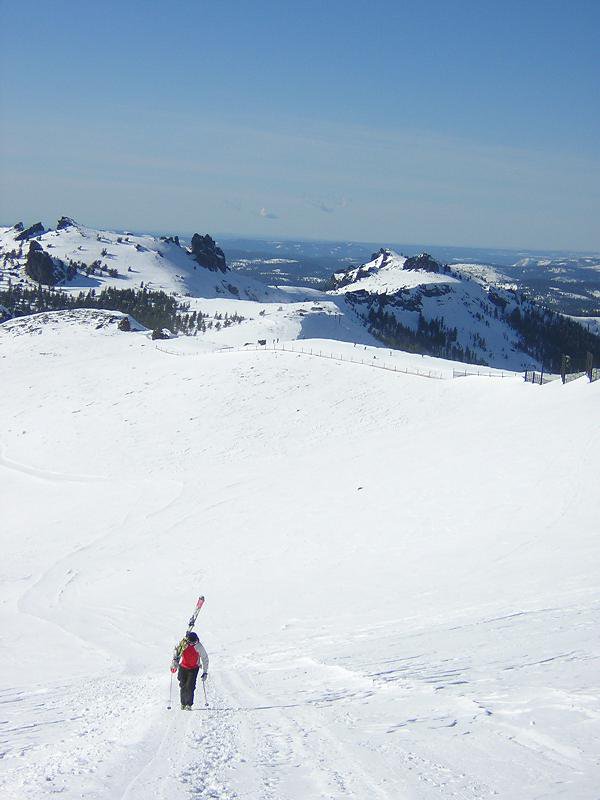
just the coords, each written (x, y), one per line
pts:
(189, 656)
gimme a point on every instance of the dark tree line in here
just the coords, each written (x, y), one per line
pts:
(432, 337)
(548, 336)
(544, 334)
(153, 309)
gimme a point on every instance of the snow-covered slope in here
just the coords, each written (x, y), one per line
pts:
(125, 261)
(78, 320)
(398, 298)
(386, 273)
(401, 576)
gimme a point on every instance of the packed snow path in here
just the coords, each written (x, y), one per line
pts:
(401, 577)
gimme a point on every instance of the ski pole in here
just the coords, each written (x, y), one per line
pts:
(204, 687)
(170, 691)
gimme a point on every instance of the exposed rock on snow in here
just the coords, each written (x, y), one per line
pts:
(28, 233)
(161, 333)
(170, 240)
(207, 254)
(65, 222)
(423, 262)
(42, 268)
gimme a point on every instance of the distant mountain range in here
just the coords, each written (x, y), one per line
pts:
(470, 312)
(566, 282)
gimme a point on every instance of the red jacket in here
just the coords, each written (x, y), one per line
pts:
(192, 656)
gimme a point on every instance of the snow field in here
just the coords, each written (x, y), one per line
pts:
(401, 576)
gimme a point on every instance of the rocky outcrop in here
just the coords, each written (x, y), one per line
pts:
(161, 333)
(65, 222)
(378, 260)
(207, 254)
(341, 279)
(424, 262)
(170, 240)
(42, 268)
(28, 233)
(18, 227)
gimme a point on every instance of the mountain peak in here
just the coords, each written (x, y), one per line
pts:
(424, 262)
(207, 254)
(65, 222)
(34, 230)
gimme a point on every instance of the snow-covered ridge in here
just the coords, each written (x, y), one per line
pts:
(90, 258)
(387, 272)
(467, 312)
(61, 322)
(392, 290)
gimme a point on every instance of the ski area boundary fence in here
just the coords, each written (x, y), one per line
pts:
(435, 374)
(541, 378)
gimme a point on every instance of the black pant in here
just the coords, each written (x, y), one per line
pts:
(187, 681)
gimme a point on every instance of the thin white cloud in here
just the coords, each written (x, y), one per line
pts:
(402, 184)
(328, 206)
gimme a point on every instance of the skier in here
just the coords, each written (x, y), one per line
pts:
(189, 656)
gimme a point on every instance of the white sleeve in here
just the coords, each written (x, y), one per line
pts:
(203, 656)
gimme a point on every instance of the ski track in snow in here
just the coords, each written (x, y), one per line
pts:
(45, 474)
(395, 607)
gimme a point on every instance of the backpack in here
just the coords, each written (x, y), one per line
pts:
(190, 657)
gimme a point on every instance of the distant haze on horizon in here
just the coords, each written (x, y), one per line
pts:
(459, 125)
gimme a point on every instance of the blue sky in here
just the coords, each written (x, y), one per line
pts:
(467, 123)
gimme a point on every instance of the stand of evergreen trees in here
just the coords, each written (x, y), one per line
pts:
(545, 335)
(153, 309)
(432, 337)
(548, 336)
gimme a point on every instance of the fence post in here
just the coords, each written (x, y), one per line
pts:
(589, 365)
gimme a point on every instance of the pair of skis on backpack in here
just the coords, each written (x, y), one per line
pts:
(190, 627)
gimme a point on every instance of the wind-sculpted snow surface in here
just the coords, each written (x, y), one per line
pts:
(401, 576)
